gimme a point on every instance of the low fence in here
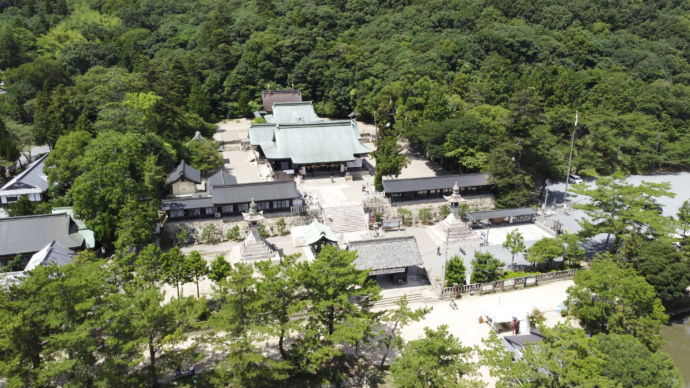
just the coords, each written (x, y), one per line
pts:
(507, 284)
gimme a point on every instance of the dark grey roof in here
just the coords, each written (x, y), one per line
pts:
(29, 234)
(32, 177)
(521, 340)
(261, 191)
(221, 178)
(183, 170)
(436, 182)
(501, 213)
(269, 97)
(385, 253)
(51, 253)
(186, 203)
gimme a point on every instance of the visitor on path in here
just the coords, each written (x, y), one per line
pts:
(516, 326)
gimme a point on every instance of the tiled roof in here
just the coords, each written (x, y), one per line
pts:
(322, 142)
(242, 193)
(186, 203)
(31, 180)
(316, 231)
(382, 253)
(269, 97)
(183, 170)
(221, 178)
(51, 253)
(294, 113)
(436, 183)
(29, 234)
(260, 191)
(501, 213)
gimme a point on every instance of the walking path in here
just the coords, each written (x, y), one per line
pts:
(464, 324)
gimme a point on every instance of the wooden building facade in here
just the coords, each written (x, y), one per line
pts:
(434, 188)
(233, 200)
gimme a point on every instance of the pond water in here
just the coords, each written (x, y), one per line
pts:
(677, 336)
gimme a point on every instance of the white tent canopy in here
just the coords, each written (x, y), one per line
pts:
(503, 314)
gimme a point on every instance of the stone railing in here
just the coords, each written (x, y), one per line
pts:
(507, 284)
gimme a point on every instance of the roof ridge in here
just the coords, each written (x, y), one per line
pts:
(176, 199)
(252, 184)
(63, 214)
(28, 169)
(438, 176)
(384, 239)
(294, 103)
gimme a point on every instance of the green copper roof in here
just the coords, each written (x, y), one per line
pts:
(316, 231)
(323, 142)
(294, 113)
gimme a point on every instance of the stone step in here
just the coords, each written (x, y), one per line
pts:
(344, 219)
(391, 301)
(458, 232)
(253, 249)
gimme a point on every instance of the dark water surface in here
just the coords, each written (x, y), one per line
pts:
(677, 336)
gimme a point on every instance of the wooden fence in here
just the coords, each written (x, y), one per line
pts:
(507, 284)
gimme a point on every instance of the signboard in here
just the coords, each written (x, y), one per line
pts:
(530, 281)
(386, 271)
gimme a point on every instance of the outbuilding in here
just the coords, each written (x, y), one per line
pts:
(387, 256)
(437, 187)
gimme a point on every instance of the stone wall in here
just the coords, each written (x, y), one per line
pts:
(476, 203)
(195, 227)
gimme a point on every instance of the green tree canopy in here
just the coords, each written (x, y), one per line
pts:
(437, 360)
(514, 243)
(455, 271)
(339, 296)
(567, 357)
(611, 299)
(618, 209)
(485, 267)
(545, 251)
(115, 171)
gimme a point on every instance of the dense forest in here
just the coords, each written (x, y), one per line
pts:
(118, 88)
(478, 85)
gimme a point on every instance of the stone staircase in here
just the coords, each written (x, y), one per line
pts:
(388, 302)
(455, 230)
(255, 248)
(345, 218)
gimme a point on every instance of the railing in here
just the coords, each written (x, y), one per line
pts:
(508, 284)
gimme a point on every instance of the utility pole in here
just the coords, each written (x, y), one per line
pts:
(570, 161)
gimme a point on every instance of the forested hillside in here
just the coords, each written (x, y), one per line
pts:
(480, 85)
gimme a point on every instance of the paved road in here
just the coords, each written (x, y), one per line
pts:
(680, 185)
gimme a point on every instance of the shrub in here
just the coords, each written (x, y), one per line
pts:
(234, 234)
(462, 211)
(282, 227)
(263, 232)
(443, 211)
(182, 236)
(425, 215)
(210, 234)
(406, 216)
(17, 264)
